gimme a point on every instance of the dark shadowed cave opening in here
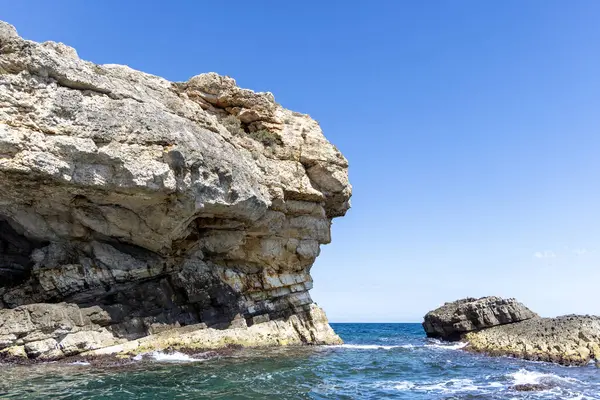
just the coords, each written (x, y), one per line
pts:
(173, 296)
(15, 254)
(138, 301)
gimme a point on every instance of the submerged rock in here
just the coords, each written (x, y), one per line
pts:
(531, 387)
(454, 319)
(160, 205)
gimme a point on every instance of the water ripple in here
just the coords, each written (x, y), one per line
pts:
(392, 361)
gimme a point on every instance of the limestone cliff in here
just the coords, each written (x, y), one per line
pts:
(145, 205)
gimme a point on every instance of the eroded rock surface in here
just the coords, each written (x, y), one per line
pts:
(454, 319)
(505, 327)
(568, 340)
(52, 331)
(309, 326)
(164, 204)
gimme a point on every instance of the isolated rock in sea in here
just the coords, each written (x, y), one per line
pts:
(158, 205)
(454, 319)
(500, 327)
(568, 340)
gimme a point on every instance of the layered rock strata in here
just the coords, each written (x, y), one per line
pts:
(567, 340)
(454, 319)
(500, 327)
(157, 205)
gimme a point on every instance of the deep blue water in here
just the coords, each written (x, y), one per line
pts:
(378, 361)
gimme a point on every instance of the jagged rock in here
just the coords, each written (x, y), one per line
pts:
(122, 190)
(500, 327)
(454, 319)
(51, 331)
(568, 340)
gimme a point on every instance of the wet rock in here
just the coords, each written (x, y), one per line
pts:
(307, 327)
(206, 355)
(531, 387)
(499, 327)
(567, 340)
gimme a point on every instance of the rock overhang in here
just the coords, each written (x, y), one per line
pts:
(128, 190)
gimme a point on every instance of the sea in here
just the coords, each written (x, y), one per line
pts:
(377, 361)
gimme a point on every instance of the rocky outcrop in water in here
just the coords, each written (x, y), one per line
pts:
(157, 205)
(568, 340)
(454, 319)
(500, 327)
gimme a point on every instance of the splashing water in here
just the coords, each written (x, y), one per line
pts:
(377, 361)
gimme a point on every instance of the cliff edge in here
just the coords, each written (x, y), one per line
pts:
(133, 206)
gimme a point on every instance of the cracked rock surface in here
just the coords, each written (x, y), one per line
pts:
(453, 319)
(132, 196)
(567, 340)
(505, 327)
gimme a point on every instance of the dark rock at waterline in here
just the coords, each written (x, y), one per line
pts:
(207, 355)
(531, 387)
(454, 319)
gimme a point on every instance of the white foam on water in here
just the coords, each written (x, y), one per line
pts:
(555, 382)
(370, 346)
(525, 377)
(447, 386)
(166, 357)
(456, 346)
(451, 386)
(172, 357)
(404, 385)
(79, 363)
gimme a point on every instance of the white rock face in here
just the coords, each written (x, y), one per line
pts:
(165, 204)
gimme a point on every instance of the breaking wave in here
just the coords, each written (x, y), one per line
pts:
(525, 377)
(447, 346)
(548, 385)
(379, 361)
(371, 346)
(161, 356)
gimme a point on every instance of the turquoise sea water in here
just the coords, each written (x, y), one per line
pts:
(378, 361)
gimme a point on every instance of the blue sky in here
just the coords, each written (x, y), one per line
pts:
(472, 131)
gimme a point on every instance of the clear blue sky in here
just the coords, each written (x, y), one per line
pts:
(472, 129)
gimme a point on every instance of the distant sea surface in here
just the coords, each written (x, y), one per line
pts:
(378, 361)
